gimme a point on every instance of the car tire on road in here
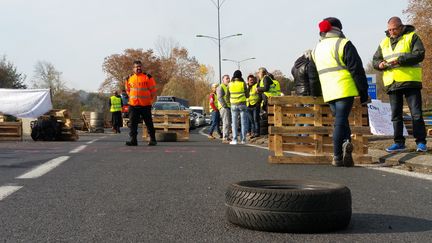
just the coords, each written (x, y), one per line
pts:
(288, 205)
(166, 136)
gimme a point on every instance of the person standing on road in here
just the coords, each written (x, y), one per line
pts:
(399, 56)
(116, 103)
(141, 89)
(254, 108)
(215, 114)
(238, 93)
(266, 87)
(224, 107)
(339, 69)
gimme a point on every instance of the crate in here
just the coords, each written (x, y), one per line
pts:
(313, 143)
(11, 131)
(170, 121)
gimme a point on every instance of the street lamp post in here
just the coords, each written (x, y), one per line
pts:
(238, 62)
(218, 5)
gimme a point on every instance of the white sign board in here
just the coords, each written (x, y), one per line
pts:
(380, 119)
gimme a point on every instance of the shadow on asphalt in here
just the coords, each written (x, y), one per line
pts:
(404, 159)
(383, 223)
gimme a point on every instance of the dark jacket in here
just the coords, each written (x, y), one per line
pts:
(354, 64)
(301, 78)
(267, 81)
(416, 56)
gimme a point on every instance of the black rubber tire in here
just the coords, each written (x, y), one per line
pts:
(289, 205)
(166, 137)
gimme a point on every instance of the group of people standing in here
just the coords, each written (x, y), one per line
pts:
(333, 70)
(237, 101)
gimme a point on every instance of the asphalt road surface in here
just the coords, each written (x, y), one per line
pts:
(98, 190)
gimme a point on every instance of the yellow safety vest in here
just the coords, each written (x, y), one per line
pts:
(225, 89)
(399, 73)
(237, 92)
(336, 81)
(253, 95)
(274, 89)
(215, 101)
(115, 104)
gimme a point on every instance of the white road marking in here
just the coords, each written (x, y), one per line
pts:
(92, 141)
(402, 172)
(43, 168)
(78, 149)
(372, 167)
(8, 190)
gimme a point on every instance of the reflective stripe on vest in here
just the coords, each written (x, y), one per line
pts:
(224, 88)
(274, 89)
(253, 95)
(336, 81)
(398, 73)
(115, 104)
(215, 101)
(237, 92)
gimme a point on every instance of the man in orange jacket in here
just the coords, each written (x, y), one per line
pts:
(141, 88)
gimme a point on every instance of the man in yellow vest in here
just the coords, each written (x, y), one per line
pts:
(399, 56)
(266, 87)
(254, 106)
(115, 104)
(342, 77)
(238, 93)
(214, 111)
(224, 107)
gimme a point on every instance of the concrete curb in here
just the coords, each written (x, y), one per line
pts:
(415, 160)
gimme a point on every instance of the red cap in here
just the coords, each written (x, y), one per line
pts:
(325, 26)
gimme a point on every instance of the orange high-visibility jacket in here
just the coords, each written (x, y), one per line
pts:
(141, 89)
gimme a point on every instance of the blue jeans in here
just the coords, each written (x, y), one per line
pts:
(414, 101)
(215, 120)
(254, 120)
(341, 109)
(235, 110)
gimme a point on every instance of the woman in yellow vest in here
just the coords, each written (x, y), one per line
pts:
(342, 77)
(115, 104)
(254, 106)
(215, 114)
(238, 93)
(399, 56)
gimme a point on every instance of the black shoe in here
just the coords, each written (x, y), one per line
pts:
(131, 143)
(152, 143)
(347, 148)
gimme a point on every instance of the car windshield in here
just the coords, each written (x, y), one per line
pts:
(166, 106)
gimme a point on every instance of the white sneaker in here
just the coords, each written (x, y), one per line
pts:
(243, 142)
(233, 142)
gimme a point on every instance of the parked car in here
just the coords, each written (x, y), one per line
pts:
(166, 105)
(199, 120)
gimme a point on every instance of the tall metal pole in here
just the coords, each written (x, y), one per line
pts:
(219, 45)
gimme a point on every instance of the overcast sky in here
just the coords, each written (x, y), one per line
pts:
(75, 36)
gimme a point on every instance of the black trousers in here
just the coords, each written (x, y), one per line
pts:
(144, 112)
(414, 101)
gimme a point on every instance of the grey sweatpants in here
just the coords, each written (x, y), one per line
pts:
(226, 121)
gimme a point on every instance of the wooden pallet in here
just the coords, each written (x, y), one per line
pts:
(11, 131)
(170, 121)
(313, 141)
(68, 132)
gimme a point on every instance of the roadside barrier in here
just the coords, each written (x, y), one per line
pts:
(304, 125)
(11, 131)
(169, 121)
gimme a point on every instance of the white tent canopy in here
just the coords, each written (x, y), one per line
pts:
(25, 103)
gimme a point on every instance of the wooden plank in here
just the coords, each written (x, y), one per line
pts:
(278, 145)
(283, 100)
(310, 130)
(323, 159)
(170, 112)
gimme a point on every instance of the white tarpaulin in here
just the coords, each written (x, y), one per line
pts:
(25, 103)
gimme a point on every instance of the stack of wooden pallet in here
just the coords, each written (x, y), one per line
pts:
(68, 132)
(10, 130)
